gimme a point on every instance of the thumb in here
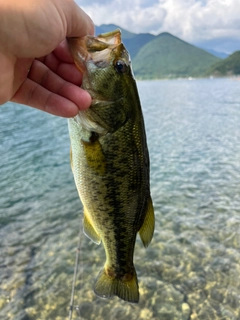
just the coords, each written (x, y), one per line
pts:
(78, 23)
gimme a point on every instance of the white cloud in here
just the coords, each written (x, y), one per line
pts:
(195, 21)
(136, 15)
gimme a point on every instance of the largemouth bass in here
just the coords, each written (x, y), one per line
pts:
(110, 161)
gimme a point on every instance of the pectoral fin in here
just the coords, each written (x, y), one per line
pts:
(89, 231)
(94, 154)
(147, 228)
(71, 159)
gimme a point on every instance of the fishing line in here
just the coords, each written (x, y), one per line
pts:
(75, 274)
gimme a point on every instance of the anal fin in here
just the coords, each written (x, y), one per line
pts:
(147, 229)
(89, 230)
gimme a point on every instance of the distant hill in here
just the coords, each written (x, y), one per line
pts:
(227, 67)
(170, 57)
(135, 43)
(163, 56)
(221, 55)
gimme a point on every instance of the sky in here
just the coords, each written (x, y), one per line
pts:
(213, 24)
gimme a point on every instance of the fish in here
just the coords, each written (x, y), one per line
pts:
(110, 161)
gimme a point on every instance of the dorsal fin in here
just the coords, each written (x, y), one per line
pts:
(147, 229)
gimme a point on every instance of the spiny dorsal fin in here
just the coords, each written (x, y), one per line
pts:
(147, 229)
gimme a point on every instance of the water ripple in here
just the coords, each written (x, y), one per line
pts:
(191, 269)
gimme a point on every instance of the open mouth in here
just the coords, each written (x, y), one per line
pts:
(95, 49)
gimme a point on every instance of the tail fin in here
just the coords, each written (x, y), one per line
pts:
(125, 289)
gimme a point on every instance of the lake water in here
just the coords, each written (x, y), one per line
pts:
(190, 271)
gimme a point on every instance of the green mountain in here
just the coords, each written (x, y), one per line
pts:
(167, 56)
(135, 43)
(227, 67)
(163, 56)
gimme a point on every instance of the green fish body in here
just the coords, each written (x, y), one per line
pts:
(110, 161)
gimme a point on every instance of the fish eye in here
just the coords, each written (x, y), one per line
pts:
(121, 66)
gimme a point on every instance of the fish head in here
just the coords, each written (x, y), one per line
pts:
(107, 75)
(101, 60)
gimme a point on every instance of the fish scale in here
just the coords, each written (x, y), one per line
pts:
(110, 161)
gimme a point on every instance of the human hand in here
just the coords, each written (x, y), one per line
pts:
(33, 37)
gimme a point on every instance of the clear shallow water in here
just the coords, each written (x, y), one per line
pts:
(191, 269)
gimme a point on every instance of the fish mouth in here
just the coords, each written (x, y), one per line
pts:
(95, 49)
